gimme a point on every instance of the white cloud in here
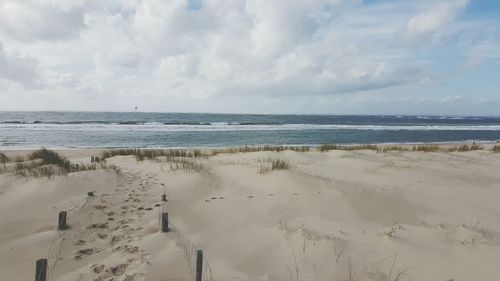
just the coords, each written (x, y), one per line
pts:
(427, 23)
(40, 20)
(18, 68)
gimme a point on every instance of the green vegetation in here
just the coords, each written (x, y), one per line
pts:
(185, 164)
(440, 148)
(3, 158)
(328, 147)
(246, 149)
(278, 164)
(47, 163)
(142, 154)
(274, 164)
(421, 148)
(48, 157)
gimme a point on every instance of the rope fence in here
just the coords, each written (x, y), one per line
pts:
(189, 249)
(198, 266)
(48, 268)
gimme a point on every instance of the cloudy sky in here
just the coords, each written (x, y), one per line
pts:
(253, 56)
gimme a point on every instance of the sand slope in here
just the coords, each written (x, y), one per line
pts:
(434, 216)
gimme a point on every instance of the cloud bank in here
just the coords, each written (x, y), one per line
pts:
(166, 55)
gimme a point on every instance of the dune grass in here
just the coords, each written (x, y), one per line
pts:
(496, 148)
(185, 164)
(153, 154)
(247, 149)
(419, 148)
(273, 164)
(3, 158)
(142, 154)
(328, 147)
(49, 157)
(441, 148)
(48, 163)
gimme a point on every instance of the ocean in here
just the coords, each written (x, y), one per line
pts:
(27, 130)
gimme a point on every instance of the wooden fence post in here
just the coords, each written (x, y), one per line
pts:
(199, 265)
(164, 222)
(62, 220)
(41, 270)
(92, 159)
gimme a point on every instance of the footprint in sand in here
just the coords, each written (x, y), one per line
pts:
(98, 268)
(86, 252)
(270, 194)
(116, 239)
(119, 270)
(79, 242)
(127, 248)
(98, 225)
(250, 196)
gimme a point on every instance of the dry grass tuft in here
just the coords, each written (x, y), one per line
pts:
(3, 158)
(273, 164)
(185, 164)
(496, 148)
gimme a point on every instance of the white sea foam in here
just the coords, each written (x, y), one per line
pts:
(158, 127)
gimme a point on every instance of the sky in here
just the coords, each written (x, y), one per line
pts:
(255, 56)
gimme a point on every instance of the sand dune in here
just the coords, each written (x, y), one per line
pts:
(339, 215)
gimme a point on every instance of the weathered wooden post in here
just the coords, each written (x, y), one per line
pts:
(92, 159)
(164, 222)
(62, 220)
(164, 197)
(41, 270)
(199, 265)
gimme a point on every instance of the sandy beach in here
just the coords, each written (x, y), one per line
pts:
(336, 215)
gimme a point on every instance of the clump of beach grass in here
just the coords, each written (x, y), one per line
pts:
(3, 158)
(496, 148)
(185, 164)
(49, 157)
(273, 164)
(392, 274)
